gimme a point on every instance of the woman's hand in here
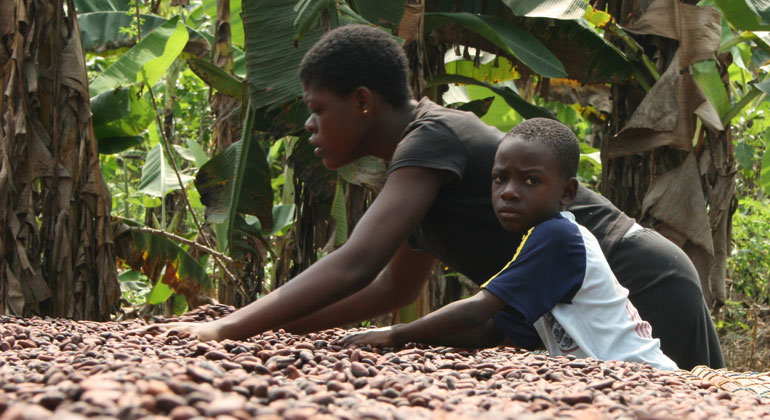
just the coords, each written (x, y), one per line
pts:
(203, 331)
(382, 337)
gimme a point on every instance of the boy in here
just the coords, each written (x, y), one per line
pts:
(558, 279)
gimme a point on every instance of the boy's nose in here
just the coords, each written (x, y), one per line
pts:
(510, 192)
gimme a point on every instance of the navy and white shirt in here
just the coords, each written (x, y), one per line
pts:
(559, 282)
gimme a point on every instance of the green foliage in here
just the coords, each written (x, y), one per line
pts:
(147, 61)
(749, 263)
(158, 177)
(515, 41)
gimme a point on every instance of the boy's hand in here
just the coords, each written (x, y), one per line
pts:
(382, 337)
(203, 331)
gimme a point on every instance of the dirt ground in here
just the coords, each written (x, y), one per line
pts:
(747, 349)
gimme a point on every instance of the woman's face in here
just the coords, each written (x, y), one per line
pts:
(336, 126)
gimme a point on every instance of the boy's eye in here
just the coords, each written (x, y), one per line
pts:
(531, 181)
(497, 179)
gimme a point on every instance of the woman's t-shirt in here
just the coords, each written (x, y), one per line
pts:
(461, 229)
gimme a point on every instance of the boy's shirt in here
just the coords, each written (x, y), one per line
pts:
(560, 282)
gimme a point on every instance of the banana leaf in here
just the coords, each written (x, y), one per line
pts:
(387, 14)
(556, 9)
(507, 36)
(741, 16)
(156, 255)
(214, 179)
(571, 41)
(86, 6)
(121, 112)
(272, 59)
(158, 177)
(706, 74)
(495, 71)
(145, 62)
(524, 108)
(217, 78)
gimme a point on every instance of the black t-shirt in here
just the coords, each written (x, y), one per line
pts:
(461, 228)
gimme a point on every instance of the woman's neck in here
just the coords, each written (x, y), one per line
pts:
(390, 129)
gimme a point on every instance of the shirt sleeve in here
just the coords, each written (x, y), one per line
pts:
(548, 268)
(430, 144)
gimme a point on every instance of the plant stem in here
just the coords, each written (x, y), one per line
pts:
(185, 241)
(167, 151)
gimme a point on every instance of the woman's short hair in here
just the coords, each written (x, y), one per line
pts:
(355, 55)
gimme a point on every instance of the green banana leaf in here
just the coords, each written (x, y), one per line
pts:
(217, 78)
(761, 8)
(236, 21)
(87, 6)
(112, 145)
(764, 86)
(145, 62)
(308, 14)
(214, 179)
(706, 74)
(741, 16)
(100, 31)
(556, 9)
(272, 58)
(479, 106)
(284, 215)
(496, 71)
(507, 36)
(387, 14)
(309, 169)
(162, 261)
(524, 108)
(120, 115)
(583, 52)
(158, 177)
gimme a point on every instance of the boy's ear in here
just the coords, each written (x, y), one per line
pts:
(570, 191)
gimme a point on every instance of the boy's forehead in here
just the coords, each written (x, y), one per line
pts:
(516, 150)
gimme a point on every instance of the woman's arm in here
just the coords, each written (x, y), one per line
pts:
(398, 285)
(459, 324)
(406, 197)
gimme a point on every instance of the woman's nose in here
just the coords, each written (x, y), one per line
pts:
(310, 124)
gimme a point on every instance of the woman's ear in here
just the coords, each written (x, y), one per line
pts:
(364, 99)
(570, 191)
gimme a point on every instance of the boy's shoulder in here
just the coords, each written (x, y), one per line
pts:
(557, 227)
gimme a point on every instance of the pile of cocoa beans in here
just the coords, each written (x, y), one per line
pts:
(68, 370)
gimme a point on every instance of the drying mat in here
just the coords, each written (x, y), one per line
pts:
(749, 383)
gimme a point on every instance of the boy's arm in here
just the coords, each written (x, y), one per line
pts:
(450, 325)
(398, 285)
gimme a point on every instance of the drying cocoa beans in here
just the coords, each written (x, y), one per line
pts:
(55, 368)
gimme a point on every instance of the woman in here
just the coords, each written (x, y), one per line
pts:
(436, 204)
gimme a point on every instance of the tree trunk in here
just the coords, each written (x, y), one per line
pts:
(56, 249)
(685, 188)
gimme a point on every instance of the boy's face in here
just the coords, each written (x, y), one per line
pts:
(527, 185)
(335, 126)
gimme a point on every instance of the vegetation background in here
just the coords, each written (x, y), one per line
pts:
(154, 156)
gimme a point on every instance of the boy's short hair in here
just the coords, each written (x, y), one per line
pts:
(358, 55)
(557, 137)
